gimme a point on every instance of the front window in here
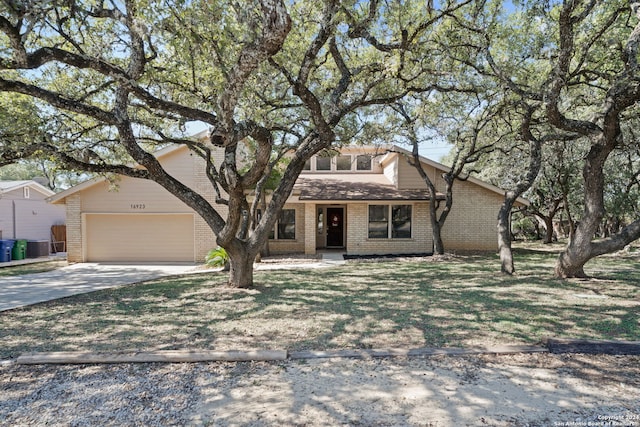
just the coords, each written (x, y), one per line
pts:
(285, 228)
(378, 221)
(401, 222)
(287, 225)
(389, 221)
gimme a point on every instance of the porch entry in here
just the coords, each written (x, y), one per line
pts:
(330, 224)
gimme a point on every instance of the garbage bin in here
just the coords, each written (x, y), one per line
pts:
(5, 250)
(19, 250)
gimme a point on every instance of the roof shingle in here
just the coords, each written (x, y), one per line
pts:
(332, 189)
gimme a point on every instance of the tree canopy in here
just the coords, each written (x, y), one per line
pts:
(103, 85)
(116, 80)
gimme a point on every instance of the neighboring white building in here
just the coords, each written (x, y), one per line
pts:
(25, 213)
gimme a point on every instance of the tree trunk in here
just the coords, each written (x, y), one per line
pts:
(436, 225)
(570, 221)
(572, 260)
(266, 250)
(548, 235)
(438, 245)
(241, 259)
(241, 269)
(504, 225)
(504, 235)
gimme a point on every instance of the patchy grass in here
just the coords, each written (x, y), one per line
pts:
(462, 301)
(38, 267)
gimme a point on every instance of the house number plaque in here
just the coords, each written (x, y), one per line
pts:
(137, 206)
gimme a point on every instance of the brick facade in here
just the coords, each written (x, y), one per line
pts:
(75, 252)
(471, 225)
(296, 245)
(359, 243)
(204, 238)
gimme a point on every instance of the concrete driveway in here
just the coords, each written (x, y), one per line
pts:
(19, 291)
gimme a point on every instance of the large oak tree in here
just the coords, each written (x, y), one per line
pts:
(575, 62)
(115, 80)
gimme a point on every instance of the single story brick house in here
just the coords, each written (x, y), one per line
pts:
(362, 200)
(25, 213)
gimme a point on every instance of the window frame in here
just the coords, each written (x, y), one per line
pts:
(357, 168)
(279, 223)
(390, 221)
(318, 158)
(337, 162)
(274, 234)
(333, 163)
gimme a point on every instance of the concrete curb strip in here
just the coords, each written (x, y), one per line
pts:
(191, 356)
(167, 356)
(426, 351)
(563, 345)
(553, 345)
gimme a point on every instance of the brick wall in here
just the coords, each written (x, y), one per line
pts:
(471, 225)
(309, 228)
(358, 242)
(75, 252)
(298, 244)
(204, 238)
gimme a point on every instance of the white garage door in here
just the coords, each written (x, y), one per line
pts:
(139, 237)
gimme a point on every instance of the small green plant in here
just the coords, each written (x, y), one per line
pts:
(218, 257)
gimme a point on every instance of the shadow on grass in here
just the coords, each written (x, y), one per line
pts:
(361, 305)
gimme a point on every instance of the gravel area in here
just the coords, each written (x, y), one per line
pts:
(506, 390)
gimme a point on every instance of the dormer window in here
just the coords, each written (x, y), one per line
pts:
(335, 162)
(343, 162)
(363, 162)
(323, 163)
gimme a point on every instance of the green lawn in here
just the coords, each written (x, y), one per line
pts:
(462, 301)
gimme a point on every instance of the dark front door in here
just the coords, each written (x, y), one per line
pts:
(335, 227)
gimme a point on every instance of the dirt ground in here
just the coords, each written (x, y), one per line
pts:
(494, 390)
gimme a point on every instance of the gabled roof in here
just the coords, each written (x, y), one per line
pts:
(8, 186)
(323, 188)
(394, 149)
(59, 197)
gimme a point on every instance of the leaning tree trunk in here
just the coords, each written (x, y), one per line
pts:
(571, 261)
(582, 247)
(504, 226)
(436, 223)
